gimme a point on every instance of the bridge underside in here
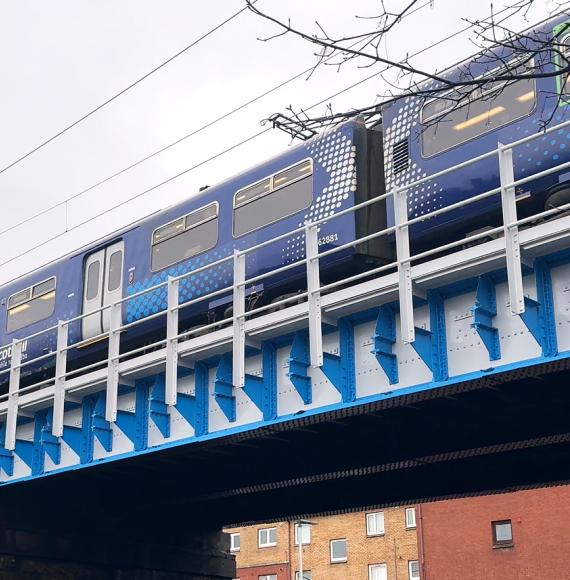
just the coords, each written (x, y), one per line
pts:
(503, 431)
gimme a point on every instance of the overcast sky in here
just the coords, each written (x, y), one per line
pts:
(64, 57)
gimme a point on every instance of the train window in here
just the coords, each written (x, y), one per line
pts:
(115, 270)
(31, 305)
(274, 198)
(93, 280)
(174, 243)
(446, 124)
(250, 193)
(172, 229)
(19, 297)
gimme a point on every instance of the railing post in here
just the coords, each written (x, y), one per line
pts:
(113, 363)
(238, 357)
(404, 266)
(13, 392)
(512, 243)
(171, 381)
(314, 296)
(59, 386)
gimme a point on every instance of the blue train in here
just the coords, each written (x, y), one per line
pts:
(317, 179)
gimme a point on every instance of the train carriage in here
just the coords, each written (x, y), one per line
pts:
(309, 182)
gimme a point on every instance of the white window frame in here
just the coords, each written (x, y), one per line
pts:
(411, 526)
(267, 544)
(267, 577)
(338, 560)
(232, 546)
(372, 566)
(305, 572)
(410, 562)
(306, 530)
(369, 518)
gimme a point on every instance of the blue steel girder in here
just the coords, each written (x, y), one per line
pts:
(194, 408)
(100, 427)
(299, 362)
(158, 409)
(50, 444)
(224, 388)
(6, 457)
(339, 369)
(484, 311)
(262, 390)
(539, 316)
(431, 345)
(384, 340)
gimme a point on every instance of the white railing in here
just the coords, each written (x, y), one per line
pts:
(312, 295)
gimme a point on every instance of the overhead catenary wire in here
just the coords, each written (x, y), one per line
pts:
(207, 126)
(123, 91)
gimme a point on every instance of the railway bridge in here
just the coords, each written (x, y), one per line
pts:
(441, 374)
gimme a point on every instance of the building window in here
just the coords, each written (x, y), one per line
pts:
(413, 570)
(375, 524)
(267, 577)
(306, 575)
(273, 198)
(302, 532)
(410, 517)
(502, 533)
(377, 572)
(185, 237)
(31, 305)
(235, 542)
(267, 537)
(338, 551)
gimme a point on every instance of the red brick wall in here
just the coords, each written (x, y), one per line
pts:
(458, 544)
(253, 573)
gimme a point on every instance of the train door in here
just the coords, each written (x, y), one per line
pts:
(103, 284)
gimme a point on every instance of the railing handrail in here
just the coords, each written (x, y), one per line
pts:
(301, 229)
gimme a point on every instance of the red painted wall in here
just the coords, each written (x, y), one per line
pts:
(456, 537)
(282, 570)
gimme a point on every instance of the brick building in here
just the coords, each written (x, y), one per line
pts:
(514, 536)
(374, 545)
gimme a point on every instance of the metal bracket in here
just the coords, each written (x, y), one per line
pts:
(48, 442)
(546, 311)
(384, 339)
(339, 369)
(298, 364)
(224, 388)
(194, 408)
(430, 345)
(512, 243)
(74, 437)
(484, 311)
(158, 409)
(7, 461)
(100, 426)
(25, 451)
